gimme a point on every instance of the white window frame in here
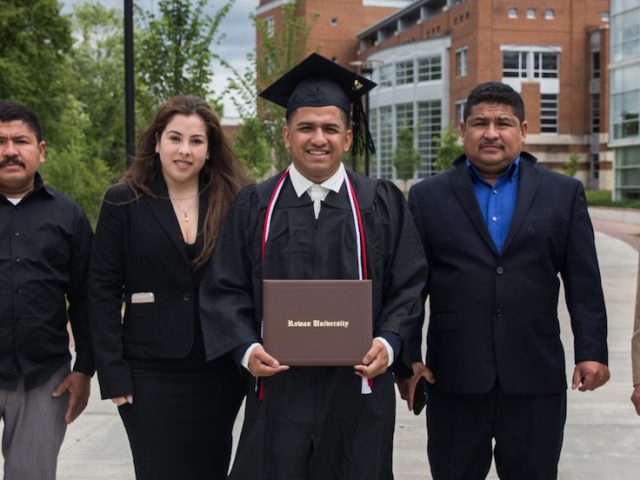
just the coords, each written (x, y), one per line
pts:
(462, 60)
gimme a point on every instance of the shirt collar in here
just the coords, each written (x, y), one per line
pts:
(301, 183)
(508, 174)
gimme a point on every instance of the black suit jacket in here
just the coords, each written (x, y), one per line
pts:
(138, 247)
(494, 316)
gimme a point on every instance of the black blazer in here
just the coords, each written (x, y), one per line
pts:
(494, 316)
(138, 247)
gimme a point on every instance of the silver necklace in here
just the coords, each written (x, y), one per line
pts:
(186, 212)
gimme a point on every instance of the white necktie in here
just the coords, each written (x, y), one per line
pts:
(316, 192)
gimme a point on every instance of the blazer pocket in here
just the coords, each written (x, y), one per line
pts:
(140, 323)
(443, 322)
(547, 324)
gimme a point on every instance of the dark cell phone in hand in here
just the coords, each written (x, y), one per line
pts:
(420, 396)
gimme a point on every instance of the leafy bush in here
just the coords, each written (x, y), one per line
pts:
(602, 198)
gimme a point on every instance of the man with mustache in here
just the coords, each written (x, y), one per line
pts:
(497, 231)
(44, 254)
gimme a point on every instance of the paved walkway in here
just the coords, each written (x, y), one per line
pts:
(602, 436)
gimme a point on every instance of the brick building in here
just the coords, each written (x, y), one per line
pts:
(336, 27)
(624, 70)
(426, 55)
(429, 55)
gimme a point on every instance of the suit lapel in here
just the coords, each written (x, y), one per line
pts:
(529, 180)
(161, 208)
(463, 189)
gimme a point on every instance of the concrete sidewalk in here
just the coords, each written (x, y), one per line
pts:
(602, 436)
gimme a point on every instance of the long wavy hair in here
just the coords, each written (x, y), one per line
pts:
(221, 174)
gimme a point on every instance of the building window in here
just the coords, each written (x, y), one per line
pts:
(384, 150)
(604, 16)
(595, 65)
(334, 21)
(595, 113)
(514, 64)
(269, 26)
(429, 68)
(531, 13)
(549, 14)
(430, 122)
(545, 65)
(626, 114)
(548, 113)
(625, 35)
(404, 72)
(595, 166)
(460, 111)
(625, 101)
(461, 62)
(404, 116)
(513, 12)
(386, 75)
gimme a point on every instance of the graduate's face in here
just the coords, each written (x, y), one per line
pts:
(182, 148)
(492, 137)
(20, 155)
(317, 138)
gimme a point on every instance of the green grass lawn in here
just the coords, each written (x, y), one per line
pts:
(602, 198)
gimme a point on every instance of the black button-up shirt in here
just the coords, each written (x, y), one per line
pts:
(44, 262)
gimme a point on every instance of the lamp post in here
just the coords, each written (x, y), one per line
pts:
(366, 68)
(129, 85)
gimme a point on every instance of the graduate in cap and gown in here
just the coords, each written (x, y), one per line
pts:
(316, 220)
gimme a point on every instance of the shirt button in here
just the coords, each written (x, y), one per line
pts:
(494, 218)
(19, 291)
(16, 234)
(500, 270)
(18, 260)
(495, 192)
(499, 313)
(186, 297)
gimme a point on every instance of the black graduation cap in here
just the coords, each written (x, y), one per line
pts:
(319, 82)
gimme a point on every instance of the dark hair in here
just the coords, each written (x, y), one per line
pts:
(221, 173)
(494, 92)
(10, 110)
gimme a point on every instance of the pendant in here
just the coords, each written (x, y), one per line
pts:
(186, 216)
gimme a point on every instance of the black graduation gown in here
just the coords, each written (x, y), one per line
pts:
(313, 422)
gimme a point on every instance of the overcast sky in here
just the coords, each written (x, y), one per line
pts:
(239, 40)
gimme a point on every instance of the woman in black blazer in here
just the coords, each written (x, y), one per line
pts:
(156, 230)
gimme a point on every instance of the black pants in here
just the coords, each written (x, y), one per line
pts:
(527, 430)
(179, 425)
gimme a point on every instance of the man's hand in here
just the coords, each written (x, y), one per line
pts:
(589, 375)
(635, 398)
(407, 386)
(79, 387)
(261, 364)
(375, 361)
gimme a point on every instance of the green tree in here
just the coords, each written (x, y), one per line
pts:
(406, 159)
(175, 50)
(571, 167)
(252, 148)
(277, 52)
(448, 150)
(71, 167)
(35, 39)
(98, 72)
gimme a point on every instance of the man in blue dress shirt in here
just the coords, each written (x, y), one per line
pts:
(498, 230)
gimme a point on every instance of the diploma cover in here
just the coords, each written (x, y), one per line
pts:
(317, 322)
